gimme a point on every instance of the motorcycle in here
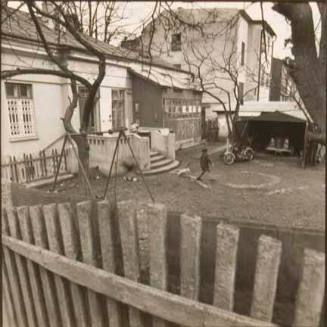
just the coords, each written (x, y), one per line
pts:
(238, 153)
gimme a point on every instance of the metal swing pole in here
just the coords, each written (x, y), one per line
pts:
(60, 159)
(111, 165)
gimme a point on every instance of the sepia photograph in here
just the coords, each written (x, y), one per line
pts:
(163, 163)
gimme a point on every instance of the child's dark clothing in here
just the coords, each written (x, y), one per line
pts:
(205, 163)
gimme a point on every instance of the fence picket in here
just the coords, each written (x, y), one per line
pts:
(34, 277)
(14, 282)
(311, 292)
(157, 221)
(128, 236)
(266, 274)
(15, 169)
(190, 256)
(226, 253)
(22, 269)
(55, 245)
(84, 211)
(108, 257)
(7, 298)
(49, 291)
(70, 240)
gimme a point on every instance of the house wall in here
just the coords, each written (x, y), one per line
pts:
(253, 63)
(51, 97)
(148, 96)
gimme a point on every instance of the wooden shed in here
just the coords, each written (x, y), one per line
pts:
(167, 100)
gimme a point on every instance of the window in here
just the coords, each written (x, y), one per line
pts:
(176, 42)
(262, 79)
(118, 109)
(20, 110)
(178, 108)
(242, 54)
(241, 94)
(93, 122)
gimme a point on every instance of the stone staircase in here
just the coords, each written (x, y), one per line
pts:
(160, 164)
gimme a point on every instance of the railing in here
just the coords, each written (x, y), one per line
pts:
(102, 150)
(163, 141)
(31, 167)
(65, 269)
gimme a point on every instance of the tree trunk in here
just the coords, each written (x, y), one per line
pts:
(309, 71)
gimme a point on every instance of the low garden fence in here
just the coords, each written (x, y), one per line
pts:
(90, 265)
(31, 167)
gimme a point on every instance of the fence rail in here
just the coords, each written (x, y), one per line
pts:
(66, 266)
(31, 167)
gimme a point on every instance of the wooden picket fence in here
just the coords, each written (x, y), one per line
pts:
(85, 266)
(32, 167)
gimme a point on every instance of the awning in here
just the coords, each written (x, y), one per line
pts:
(274, 117)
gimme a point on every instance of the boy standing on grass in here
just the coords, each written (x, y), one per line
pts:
(205, 163)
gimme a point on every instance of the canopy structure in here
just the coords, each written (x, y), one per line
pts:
(289, 109)
(274, 117)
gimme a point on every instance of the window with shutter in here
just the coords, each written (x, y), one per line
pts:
(20, 110)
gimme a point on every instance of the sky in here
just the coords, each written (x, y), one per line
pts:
(135, 12)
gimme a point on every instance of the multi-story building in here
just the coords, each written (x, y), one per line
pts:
(226, 46)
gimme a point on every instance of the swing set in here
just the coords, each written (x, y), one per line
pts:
(114, 160)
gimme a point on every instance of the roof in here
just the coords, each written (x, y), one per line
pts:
(212, 15)
(20, 26)
(254, 109)
(161, 78)
(276, 116)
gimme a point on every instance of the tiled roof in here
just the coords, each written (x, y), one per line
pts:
(19, 25)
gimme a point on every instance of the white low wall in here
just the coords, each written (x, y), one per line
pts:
(102, 150)
(164, 142)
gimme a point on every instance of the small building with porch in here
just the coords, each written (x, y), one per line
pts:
(167, 102)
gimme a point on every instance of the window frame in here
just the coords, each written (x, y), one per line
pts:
(242, 53)
(20, 113)
(176, 45)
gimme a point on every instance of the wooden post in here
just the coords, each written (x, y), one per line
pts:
(84, 211)
(108, 257)
(70, 241)
(45, 164)
(56, 246)
(14, 282)
(190, 256)
(22, 269)
(226, 257)
(128, 236)
(266, 274)
(311, 292)
(50, 294)
(15, 170)
(38, 297)
(157, 220)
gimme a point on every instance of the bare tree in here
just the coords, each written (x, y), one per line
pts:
(81, 23)
(309, 67)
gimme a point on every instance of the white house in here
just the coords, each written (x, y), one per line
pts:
(216, 34)
(32, 105)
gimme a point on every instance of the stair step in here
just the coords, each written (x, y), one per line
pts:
(174, 164)
(157, 158)
(154, 153)
(160, 163)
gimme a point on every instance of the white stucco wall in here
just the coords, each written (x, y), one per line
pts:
(51, 97)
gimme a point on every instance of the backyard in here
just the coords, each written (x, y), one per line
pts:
(272, 190)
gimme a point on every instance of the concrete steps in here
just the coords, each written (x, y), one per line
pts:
(160, 164)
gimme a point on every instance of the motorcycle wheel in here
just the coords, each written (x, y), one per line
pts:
(229, 158)
(249, 153)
